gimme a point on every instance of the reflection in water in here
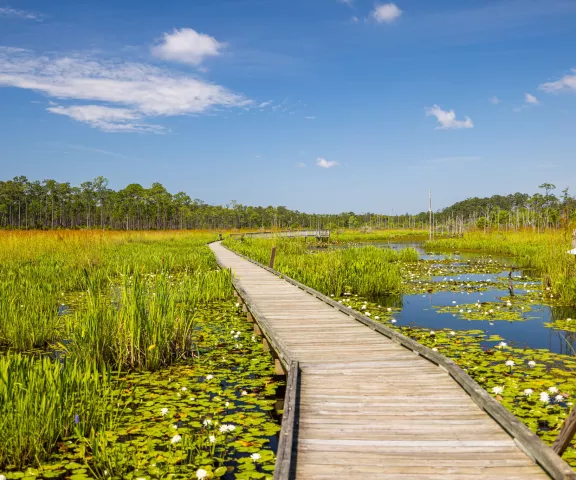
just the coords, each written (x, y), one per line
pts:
(418, 310)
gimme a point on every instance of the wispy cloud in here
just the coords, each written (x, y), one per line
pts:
(310, 117)
(265, 104)
(531, 99)
(495, 100)
(566, 83)
(447, 118)
(323, 163)
(99, 151)
(451, 160)
(386, 13)
(129, 92)
(187, 46)
(13, 12)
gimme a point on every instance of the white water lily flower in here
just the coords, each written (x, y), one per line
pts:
(175, 427)
(393, 320)
(528, 392)
(389, 309)
(183, 389)
(176, 439)
(497, 390)
(2, 477)
(452, 333)
(255, 457)
(244, 392)
(559, 398)
(432, 332)
(509, 304)
(368, 314)
(207, 422)
(164, 411)
(434, 349)
(363, 307)
(209, 377)
(509, 363)
(212, 439)
(227, 404)
(532, 363)
(544, 397)
(201, 473)
(376, 317)
(553, 390)
(223, 429)
(502, 345)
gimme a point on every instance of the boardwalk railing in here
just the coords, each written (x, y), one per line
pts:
(526, 440)
(287, 234)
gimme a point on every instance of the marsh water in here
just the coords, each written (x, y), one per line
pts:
(424, 310)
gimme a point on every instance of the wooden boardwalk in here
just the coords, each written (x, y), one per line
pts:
(365, 406)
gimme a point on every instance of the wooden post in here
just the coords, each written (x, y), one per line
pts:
(257, 330)
(249, 317)
(566, 434)
(272, 257)
(265, 344)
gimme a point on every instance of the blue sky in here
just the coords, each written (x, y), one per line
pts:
(318, 105)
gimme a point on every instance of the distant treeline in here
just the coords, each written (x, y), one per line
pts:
(50, 204)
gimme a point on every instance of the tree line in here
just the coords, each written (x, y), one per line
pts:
(49, 204)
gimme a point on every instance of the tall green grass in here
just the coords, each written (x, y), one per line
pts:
(367, 271)
(42, 402)
(545, 252)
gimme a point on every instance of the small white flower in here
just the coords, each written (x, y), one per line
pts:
(508, 304)
(176, 439)
(237, 305)
(389, 309)
(255, 457)
(509, 363)
(175, 427)
(432, 332)
(244, 392)
(528, 392)
(201, 473)
(368, 314)
(183, 389)
(434, 349)
(532, 363)
(164, 412)
(497, 390)
(376, 317)
(223, 429)
(544, 397)
(212, 439)
(454, 302)
(209, 377)
(393, 320)
(207, 422)
(553, 390)
(2, 477)
(559, 398)
(227, 404)
(502, 345)
(452, 333)
(363, 307)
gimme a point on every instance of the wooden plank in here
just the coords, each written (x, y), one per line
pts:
(363, 391)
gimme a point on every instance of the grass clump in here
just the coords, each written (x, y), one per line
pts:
(42, 401)
(368, 271)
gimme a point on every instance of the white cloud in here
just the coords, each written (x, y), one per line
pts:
(107, 119)
(310, 117)
(447, 119)
(531, 99)
(355, 19)
(265, 104)
(129, 91)
(12, 12)
(568, 82)
(323, 163)
(386, 13)
(495, 100)
(187, 46)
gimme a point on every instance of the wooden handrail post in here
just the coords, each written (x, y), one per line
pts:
(272, 257)
(567, 432)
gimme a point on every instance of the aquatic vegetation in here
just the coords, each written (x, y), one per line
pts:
(544, 251)
(196, 392)
(366, 270)
(42, 401)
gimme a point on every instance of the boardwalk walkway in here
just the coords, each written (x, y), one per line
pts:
(369, 407)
